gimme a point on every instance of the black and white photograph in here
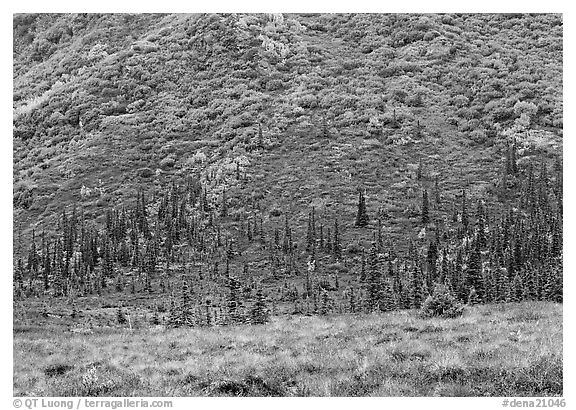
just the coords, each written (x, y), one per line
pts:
(286, 205)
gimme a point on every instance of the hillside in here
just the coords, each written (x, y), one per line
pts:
(236, 165)
(116, 103)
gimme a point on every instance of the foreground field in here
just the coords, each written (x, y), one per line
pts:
(497, 350)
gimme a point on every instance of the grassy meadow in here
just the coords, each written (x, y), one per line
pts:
(492, 350)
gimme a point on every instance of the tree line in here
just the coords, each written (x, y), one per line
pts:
(203, 265)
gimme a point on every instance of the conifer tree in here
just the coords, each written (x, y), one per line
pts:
(33, 259)
(208, 312)
(432, 257)
(324, 302)
(260, 141)
(513, 160)
(47, 266)
(528, 284)
(425, 208)
(259, 313)
(363, 266)
(441, 303)
(155, 317)
(490, 286)
(473, 298)
(464, 214)
(352, 300)
(388, 302)
(174, 317)
(234, 299)
(481, 225)
(515, 290)
(325, 132)
(419, 170)
(415, 289)
(437, 194)
(120, 317)
(474, 275)
(374, 280)
(186, 308)
(336, 246)
(361, 215)
(74, 313)
(224, 209)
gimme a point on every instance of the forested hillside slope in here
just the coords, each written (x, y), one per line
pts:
(329, 161)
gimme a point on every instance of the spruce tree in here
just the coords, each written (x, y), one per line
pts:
(374, 280)
(481, 225)
(186, 308)
(361, 215)
(224, 208)
(474, 275)
(363, 266)
(437, 194)
(259, 313)
(473, 298)
(352, 301)
(464, 214)
(324, 302)
(388, 302)
(336, 246)
(515, 291)
(425, 208)
(415, 289)
(260, 141)
(325, 132)
(441, 303)
(234, 300)
(174, 317)
(33, 259)
(419, 170)
(120, 316)
(432, 258)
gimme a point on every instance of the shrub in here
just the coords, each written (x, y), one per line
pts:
(523, 107)
(57, 369)
(354, 249)
(441, 304)
(145, 172)
(168, 162)
(22, 197)
(275, 212)
(479, 136)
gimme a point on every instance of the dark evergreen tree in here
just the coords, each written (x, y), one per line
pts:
(362, 214)
(432, 258)
(425, 208)
(437, 193)
(474, 273)
(419, 170)
(259, 313)
(174, 316)
(324, 302)
(374, 279)
(473, 298)
(186, 307)
(415, 289)
(224, 207)
(464, 213)
(336, 245)
(120, 316)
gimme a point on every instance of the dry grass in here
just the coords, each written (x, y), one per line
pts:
(498, 350)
